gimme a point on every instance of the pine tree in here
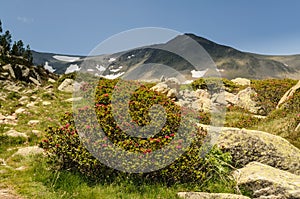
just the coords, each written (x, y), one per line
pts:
(5, 42)
(0, 26)
(28, 54)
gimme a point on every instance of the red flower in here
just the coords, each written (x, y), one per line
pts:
(67, 125)
(46, 141)
(178, 147)
(106, 95)
(167, 137)
(88, 127)
(172, 135)
(104, 145)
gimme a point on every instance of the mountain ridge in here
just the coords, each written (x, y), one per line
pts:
(230, 62)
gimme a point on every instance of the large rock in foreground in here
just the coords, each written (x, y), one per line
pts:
(247, 146)
(203, 195)
(268, 182)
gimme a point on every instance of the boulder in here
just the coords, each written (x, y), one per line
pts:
(203, 195)
(247, 146)
(203, 104)
(14, 133)
(67, 85)
(33, 122)
(26, 151)
(46, 103)
(288, 94)
(161, 87)
(244, 100)
(241, 81)
(268, 182)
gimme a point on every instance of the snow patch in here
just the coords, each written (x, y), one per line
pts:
(100, 68)
(130, 56)
(72, 68)
(48, 67)
(111, 59)
(115, 70)
(113, 76)
(65, 58)
(198, 73)
(90, 70)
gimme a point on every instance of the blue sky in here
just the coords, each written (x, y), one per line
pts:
(76, 27)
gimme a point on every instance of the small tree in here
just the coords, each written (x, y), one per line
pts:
(28, 54)
(5, 41)
(1, 27)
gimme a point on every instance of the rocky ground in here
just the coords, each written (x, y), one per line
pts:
(267, 164)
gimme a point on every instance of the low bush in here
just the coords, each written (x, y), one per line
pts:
(269, 92)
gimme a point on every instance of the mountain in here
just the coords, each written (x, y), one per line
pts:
(149, 62)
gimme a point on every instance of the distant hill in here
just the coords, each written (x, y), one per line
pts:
(230, 62)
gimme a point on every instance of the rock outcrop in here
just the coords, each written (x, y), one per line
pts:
(288, 94)
(247, 146)
(268, 182)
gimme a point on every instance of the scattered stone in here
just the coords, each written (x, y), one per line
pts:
(21, 168)
(31, 104)
(23, 98)
(36, 82)
(36, 132)
(26, 151)
(75, 99)
(14, 133)
(288, 94)
(33, 122)
(268, 182)
(241, 81)
(46, 103)
(246, 146)
(10, 119)
(68, 85)
(203, 195)
(51, 80)
(20, 110)
(298, 127)
(7, 194)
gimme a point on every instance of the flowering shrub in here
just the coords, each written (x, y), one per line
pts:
(66, 149)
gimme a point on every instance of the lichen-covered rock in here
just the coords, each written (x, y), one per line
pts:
(288, 94)
(268, 182)
(203, 195)
(67, 85)
(250, 145)
(244, 100)
(241, 81)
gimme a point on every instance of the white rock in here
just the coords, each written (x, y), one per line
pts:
(46, 103)
(241, 81)
(14, 133)
(33, 122)
(20, 110)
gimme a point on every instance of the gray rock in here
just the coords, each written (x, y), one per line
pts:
(33, 122)
(288, 94)
(247, 146)
(67, 85)
(203, 195)
(268, 182)
(36, 82)
(20, 110)
(241, 81)
(244, 100)
(31, 150)
(161, 87)
(14, 133)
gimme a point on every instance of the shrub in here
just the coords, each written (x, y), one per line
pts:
(270, 91)
(214, 84)
(67, 150)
